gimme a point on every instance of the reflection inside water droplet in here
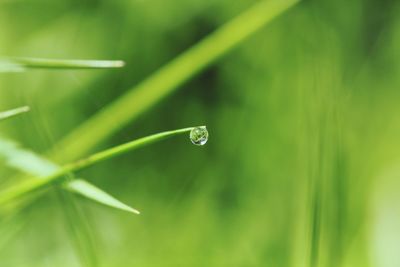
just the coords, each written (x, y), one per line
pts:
(199, 135)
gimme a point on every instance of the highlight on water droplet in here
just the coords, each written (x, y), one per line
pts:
(199, 136)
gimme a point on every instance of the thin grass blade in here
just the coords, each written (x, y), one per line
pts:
(92, 192)
(13, 112)
(33, 164)
(15, 64)
(32, 185)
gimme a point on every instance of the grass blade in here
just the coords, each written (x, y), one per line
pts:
(24, 160)
(13, 112)
(92, 192)
(162, 83)
(7, 66)
(42, 63)
(32, 185)
(33, 164)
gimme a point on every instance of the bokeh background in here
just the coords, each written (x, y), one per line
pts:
(302, 167)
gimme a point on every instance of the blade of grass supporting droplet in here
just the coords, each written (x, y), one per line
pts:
(42, 63)
(162, 83)
(13, 112)
(33, 185)
(33, 164)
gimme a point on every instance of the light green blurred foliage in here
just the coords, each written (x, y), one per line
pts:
(302, 164)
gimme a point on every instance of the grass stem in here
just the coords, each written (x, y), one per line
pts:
(33, 185)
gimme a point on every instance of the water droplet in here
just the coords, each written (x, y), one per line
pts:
(199, 136)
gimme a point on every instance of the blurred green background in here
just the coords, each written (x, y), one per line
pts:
(302, 167)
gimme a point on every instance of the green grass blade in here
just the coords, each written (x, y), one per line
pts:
(92, 192)
(33, 164)
(14, 64)
(162, 83)
(23, 159)
(7, 66)
(13, 112)
(33, 185)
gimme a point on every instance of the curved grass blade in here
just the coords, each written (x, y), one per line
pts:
(33, 185)
(13, 112)
(42, 63)
(33, 164)
(166, 80)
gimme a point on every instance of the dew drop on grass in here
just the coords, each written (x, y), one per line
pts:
(199, 136)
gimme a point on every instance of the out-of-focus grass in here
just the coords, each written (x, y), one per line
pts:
(164, 81)
(13, 112)
(301, 169)
(22, 64)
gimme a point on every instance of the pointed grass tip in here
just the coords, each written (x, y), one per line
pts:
(135, 211)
